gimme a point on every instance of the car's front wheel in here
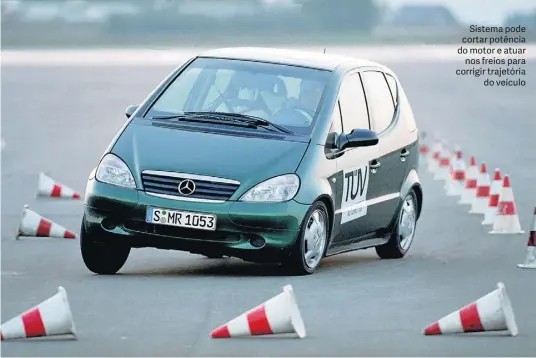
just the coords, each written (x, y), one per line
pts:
(311, 243)
(404, 233)
(104, 258)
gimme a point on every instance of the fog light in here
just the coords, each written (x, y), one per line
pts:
(257, 242)
(109, 224)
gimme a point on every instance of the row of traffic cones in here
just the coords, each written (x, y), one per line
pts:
(493, 199)
(35, 225)
(278, 315)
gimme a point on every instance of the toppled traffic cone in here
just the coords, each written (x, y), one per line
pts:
(530, 258)
(506, 221)
(52, 317)
(34, 225)
(492, 312)
(48, 187)
(483, 188)
(278, 315)
(471, 177)
(493, 201)
(454, 186)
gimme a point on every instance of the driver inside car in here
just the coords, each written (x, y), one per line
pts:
(242, 96)
(309, 98)
(299, 112)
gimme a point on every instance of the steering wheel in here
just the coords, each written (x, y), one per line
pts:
(292, 117)
(296, 107)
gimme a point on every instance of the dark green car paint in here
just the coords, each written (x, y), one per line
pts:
(249, 160)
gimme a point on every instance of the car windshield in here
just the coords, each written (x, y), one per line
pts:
(285, 95)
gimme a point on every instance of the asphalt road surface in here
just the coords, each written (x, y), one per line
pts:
(164, 303)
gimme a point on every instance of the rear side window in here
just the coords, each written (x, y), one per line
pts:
(379, 100)
(392, 86)
(353, 104)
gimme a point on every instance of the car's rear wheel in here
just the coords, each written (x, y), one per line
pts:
(103, 258)
(311, 243)
(404, 233)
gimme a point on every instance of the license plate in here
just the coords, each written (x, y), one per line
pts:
(181, 219)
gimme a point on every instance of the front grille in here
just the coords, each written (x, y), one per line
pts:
(208, 189)
(178, 232)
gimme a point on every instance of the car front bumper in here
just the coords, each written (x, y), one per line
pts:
(115, 213)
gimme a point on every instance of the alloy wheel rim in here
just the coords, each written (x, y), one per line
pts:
(315, 238)
(407, 223)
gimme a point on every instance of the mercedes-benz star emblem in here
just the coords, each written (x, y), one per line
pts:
(186, 187)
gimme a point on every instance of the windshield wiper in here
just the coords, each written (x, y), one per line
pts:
(244, 118)
(240, 120)
(188, 117)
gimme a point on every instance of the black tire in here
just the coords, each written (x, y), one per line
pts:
(295, 264)
(103, 258)
(393, 249)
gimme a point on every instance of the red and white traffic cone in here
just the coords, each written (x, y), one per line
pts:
(424, 149)
(52, 317)
(433, 160)
(530, 258)
(471, 177)
(34, 225)
(443, 169)
(492, 312)
(48, 187)
(506, 221)
(278, 315)
(483, 187)
(454, 186)
(493, 201)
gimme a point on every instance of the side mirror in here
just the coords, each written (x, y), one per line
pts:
(358, 138)
(332, 141)
(130, 110)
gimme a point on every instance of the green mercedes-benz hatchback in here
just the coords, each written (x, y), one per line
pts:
(263, 154)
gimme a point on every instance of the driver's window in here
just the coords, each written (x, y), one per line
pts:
(221, 81)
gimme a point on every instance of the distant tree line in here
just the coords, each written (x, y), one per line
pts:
(316, 16)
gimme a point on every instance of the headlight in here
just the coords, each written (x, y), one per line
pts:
(113, 170)
(278, 189)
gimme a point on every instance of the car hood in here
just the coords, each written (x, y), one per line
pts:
(248, 160)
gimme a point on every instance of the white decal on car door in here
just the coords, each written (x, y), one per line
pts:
(354, 195)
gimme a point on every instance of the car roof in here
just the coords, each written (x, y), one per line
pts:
(293, 57)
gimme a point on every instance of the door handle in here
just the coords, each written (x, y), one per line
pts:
(374, 166)
(404, 154)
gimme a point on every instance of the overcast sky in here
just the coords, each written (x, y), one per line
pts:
(478, 11)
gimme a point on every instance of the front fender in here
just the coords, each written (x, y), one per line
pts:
(315, 172)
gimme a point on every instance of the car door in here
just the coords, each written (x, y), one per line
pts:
(393, 151)
(357, 183)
